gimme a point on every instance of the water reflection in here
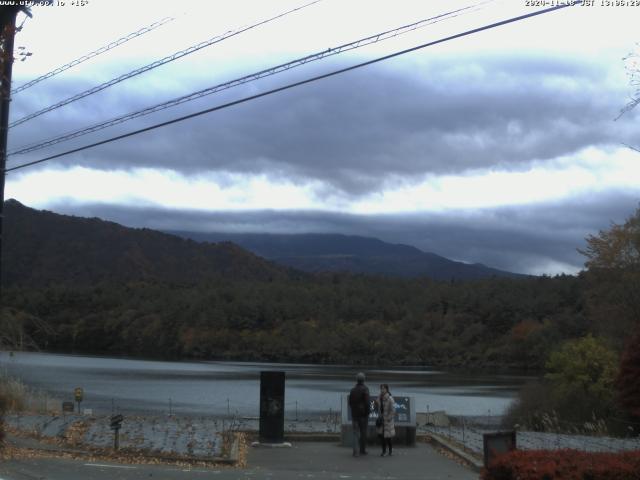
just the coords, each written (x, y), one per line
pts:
(221, 388)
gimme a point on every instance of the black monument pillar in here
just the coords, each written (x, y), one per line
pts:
(271, 407)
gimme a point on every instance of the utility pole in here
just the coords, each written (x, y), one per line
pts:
(8, 14)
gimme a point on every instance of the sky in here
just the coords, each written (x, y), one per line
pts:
(504, 147)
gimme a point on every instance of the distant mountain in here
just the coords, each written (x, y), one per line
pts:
(342, 253)
(44, 248)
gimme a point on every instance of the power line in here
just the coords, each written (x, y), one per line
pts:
(245, 79)
(297, 84)
(95, 53)
(157, 63)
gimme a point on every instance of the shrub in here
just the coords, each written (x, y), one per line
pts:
(563, 465)
(13, 393)
(530, 408)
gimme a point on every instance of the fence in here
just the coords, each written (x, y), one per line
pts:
(467, 432)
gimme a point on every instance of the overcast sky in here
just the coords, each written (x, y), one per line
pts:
(499, 147)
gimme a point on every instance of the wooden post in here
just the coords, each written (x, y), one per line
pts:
(6, 61)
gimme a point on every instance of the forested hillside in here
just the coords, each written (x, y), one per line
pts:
(354, 319)
(84, 285)
(44, 248)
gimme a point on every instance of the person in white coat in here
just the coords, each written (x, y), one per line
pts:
(388, 413)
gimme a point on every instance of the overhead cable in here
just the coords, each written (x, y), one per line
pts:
(299, 83)
(95, 53)
(156, 64)
(242, 80)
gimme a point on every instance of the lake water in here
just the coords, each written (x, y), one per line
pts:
(221, 388)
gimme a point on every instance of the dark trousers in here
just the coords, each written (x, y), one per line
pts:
(386, 442)
(360, 426)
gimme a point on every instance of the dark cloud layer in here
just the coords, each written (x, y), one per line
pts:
(535, 239)
(368, 128)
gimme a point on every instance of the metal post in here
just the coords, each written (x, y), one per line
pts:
(8, 33)
(170, 406)
(463, 439)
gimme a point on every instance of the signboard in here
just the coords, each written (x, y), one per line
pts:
(404, 406)
(78, 393)
(496, 443)
(116, 421)
(116, 424)
(68, 407)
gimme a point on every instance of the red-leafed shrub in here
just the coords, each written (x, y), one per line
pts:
(564, 465)
(628, 381)
(2, 410)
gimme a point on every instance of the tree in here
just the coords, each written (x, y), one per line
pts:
(613, 263)
(628, 379)
(616, 248)
(632, 65)
(582, 373)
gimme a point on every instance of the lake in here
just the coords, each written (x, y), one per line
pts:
(223, 388)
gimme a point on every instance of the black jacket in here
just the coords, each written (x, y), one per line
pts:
(359, 401)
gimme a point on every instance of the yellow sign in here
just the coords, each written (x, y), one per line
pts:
(77, 392)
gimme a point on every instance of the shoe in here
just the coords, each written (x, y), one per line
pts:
(383, 454)
(390, 454)
(355, 454)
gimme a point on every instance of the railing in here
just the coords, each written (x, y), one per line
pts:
(467, 433)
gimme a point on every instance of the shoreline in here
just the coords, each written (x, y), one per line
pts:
(499, 369)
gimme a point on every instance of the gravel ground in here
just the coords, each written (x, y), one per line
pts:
(202, 436)
(192, 436)
(188, 435)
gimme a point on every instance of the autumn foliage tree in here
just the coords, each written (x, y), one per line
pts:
(613, 272)
(613, 262)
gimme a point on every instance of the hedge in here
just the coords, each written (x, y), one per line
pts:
(564, 465)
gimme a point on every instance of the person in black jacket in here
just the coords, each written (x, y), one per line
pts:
(359, 405)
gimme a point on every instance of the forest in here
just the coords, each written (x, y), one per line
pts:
(334, 318)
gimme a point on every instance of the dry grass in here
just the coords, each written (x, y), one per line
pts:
(15, 396)
(13, 393)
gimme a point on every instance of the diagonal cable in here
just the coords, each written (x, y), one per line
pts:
(299, 83)
(245, 79)
(95, 53)
(157, 63)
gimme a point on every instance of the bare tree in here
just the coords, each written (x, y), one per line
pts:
(632, 66)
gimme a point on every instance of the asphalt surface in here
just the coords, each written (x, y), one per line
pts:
(304, 460)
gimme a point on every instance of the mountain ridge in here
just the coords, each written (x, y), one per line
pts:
(42, 248)
(328, 252)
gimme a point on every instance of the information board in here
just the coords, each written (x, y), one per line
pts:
(404, 406)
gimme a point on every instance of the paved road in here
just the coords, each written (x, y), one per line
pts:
(305, 460)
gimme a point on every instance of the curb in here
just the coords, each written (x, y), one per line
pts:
(312, 437)
(252, 435)
(473, 462)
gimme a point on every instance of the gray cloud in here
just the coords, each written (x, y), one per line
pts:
(367, 128)
(535, 239)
